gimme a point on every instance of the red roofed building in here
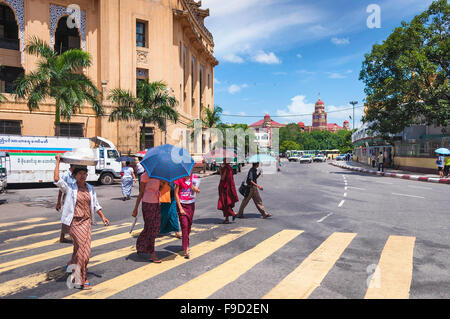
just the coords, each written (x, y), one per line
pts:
(264, 132)
(319, 121)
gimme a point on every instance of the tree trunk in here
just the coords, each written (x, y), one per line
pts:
(57, 120)
(143, 135)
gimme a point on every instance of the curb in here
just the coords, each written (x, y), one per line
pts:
(394, 175)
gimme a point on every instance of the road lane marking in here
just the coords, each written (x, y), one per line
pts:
(408, 195)
(32, 281)
(345, 194)
(322, 219)
(29, 227)
(60, 252)
(117, 284)
(201, 287)
(27, 221)
(50, 242)
(300, 283)
(361, 189)
(392, 278)
(341, 203)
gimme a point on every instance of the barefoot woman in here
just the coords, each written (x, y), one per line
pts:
(78, 213)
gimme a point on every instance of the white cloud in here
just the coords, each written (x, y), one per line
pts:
(336, 114)
(216, 81)
(234, 88)
(266, 58)
(298, 106)
(242, 113)
(335, 75)
(233, 58)
(299, 56)
(340, 41)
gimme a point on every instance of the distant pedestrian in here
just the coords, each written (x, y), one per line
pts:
(252, 178)
(169, 216)
(381, 162)
(447, 166)
(78, 214)
(151, 213)
(139, 171)
(227, 192)
(374, 160)
(127, 181)
(441, 165)
(186, 189)
(68, 178)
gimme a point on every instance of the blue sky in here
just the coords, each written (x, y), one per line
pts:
(276, 56)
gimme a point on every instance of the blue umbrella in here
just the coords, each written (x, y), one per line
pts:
(261, 158)
(443, 151)
(168, 163)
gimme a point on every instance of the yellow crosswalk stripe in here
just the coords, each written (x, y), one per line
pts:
(206, 284)
(134, 277)
(300, 283)
(26, 221)
(392, 278)
(55, 241)
(61, 252)
(29, 227)
(32, 281)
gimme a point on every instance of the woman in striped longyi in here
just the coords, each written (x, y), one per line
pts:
(78, 214)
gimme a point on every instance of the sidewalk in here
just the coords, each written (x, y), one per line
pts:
(432, 178)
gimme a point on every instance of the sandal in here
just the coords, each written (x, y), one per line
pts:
(87, 286)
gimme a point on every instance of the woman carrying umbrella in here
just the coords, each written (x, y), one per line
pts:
(227, 192)
(78, 213)
(169, 217)
(149, 194)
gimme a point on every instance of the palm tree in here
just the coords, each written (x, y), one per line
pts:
(211, 118)
(152, 104)
(58, 76)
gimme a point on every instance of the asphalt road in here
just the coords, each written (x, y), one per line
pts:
(332, 231)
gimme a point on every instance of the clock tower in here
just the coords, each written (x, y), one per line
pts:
(319, 119)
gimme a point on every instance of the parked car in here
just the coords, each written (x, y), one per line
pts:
(320, 158)
(341, 157)
(294, 158)
(306, 159)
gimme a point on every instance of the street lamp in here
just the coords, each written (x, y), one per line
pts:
(353, 103)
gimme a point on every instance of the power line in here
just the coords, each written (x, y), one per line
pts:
(291, 115)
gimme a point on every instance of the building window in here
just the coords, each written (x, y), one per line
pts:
(141, 76)
(192, 79)
(201, 72)
(71, 129)
(8, 76)
(149, 138)
(66, 38)
(141, 34)
(9, 31)
(10, 127)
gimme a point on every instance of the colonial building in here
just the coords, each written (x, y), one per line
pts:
(264, 133)
(319, 121)
(128, 41)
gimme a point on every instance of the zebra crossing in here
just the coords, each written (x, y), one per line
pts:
(391, 278)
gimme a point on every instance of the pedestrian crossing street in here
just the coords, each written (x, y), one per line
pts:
(391, 278)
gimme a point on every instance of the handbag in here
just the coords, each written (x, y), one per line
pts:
(244, 189)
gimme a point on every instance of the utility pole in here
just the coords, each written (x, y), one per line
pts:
(353, 103)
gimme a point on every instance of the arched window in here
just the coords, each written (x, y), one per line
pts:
(66, 38)
(9, 40)
(9, 30)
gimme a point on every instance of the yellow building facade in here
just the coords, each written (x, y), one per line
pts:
(159, 40)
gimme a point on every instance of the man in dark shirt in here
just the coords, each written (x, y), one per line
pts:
(252, 178)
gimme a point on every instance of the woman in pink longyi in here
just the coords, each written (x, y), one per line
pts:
(186, 189)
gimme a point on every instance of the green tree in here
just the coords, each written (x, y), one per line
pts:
(58, 76)
(407, 76)
(210, 119)
(289, 145)
(152, 104)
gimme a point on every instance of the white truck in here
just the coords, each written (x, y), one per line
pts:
(33, 157)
